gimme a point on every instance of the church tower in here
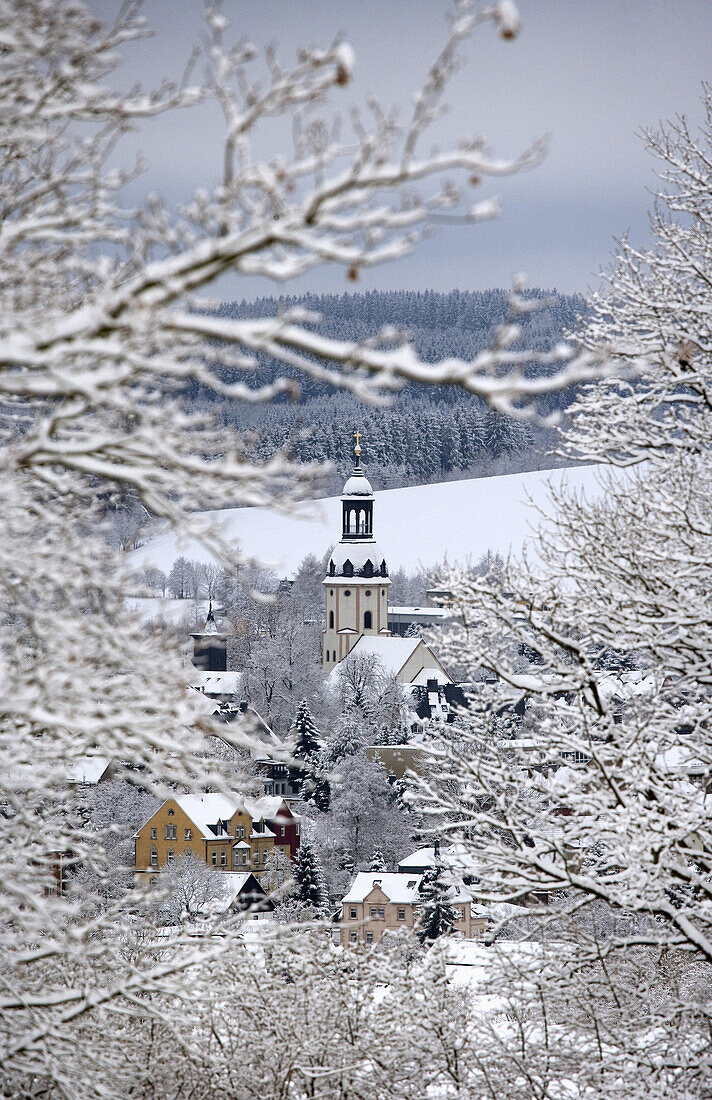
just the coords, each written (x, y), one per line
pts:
(356, 584)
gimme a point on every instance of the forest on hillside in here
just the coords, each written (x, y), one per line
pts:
(427, 434)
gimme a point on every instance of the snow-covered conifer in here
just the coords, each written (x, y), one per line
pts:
(437, 915)
(310, 888)
(377, 862)
(304, 734)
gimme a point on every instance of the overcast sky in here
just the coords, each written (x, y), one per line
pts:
(587, 73)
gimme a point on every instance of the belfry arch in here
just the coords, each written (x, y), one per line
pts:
(354, 604)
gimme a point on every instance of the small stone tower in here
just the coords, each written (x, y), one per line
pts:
(356, 584)
(209, 646)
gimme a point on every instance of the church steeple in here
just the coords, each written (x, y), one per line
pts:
(357, 580)
(210, 646)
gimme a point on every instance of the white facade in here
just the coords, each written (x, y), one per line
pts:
(356, 584)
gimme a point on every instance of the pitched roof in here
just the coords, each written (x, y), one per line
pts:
(397, 888)
(88, 769)
(393, 653)
(205, 810)
(216, 683)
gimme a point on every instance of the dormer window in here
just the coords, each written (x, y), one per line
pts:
(384, 570)
(368, 569)
(348, 568)
(332, 568)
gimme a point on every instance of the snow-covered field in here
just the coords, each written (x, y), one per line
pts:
(415, 527)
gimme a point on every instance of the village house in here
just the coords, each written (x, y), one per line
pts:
(231, 834)
(381, 901)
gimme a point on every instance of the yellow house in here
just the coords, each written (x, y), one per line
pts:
(380, 901)
(228, 833)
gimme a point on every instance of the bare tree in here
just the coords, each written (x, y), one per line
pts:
(608, 641)
(102, 327)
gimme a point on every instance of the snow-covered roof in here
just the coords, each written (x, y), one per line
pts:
(454, 856)
(263, 834)
(216, 683)
(681, 758)
(271, 807)
(242, 844)
(358, 552)
(429, 673)
(397, 888)
(207, 809)
(424, 613)
(88, 769)
(391, 652)
(357, 485)
(232, 885)
(400, 888)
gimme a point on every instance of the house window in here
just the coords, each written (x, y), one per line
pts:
(215, 858)
(367, 620)
(281, 828)
(223, 858)
(352, 912)
(257, 857)
(369, 937)
(367, 592)
(154, 857)
(171, 813)
(334, 657)
(347, 592)
(187, 835)
(348, 571)
(154, 834)
(154, 880)
(379, 913)
(401, 914)
(170, 856)
(331, 620)
(353, 937)
(171, 832)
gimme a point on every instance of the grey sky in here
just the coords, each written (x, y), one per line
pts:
(589, 73)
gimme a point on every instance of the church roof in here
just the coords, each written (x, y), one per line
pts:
(358, 552)
(393, 653)
(357, 485)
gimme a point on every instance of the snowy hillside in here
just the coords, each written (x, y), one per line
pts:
(415, 527)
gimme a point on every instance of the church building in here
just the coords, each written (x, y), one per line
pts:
(357, 581)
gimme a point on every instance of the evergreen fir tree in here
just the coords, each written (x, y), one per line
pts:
(305, 735)
(310, 888)
(437, 915)
(307, 751)
(377, 862)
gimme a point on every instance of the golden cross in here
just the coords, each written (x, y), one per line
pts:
(357, 437)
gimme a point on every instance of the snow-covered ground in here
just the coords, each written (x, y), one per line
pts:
(415, 527)
(169, 610)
